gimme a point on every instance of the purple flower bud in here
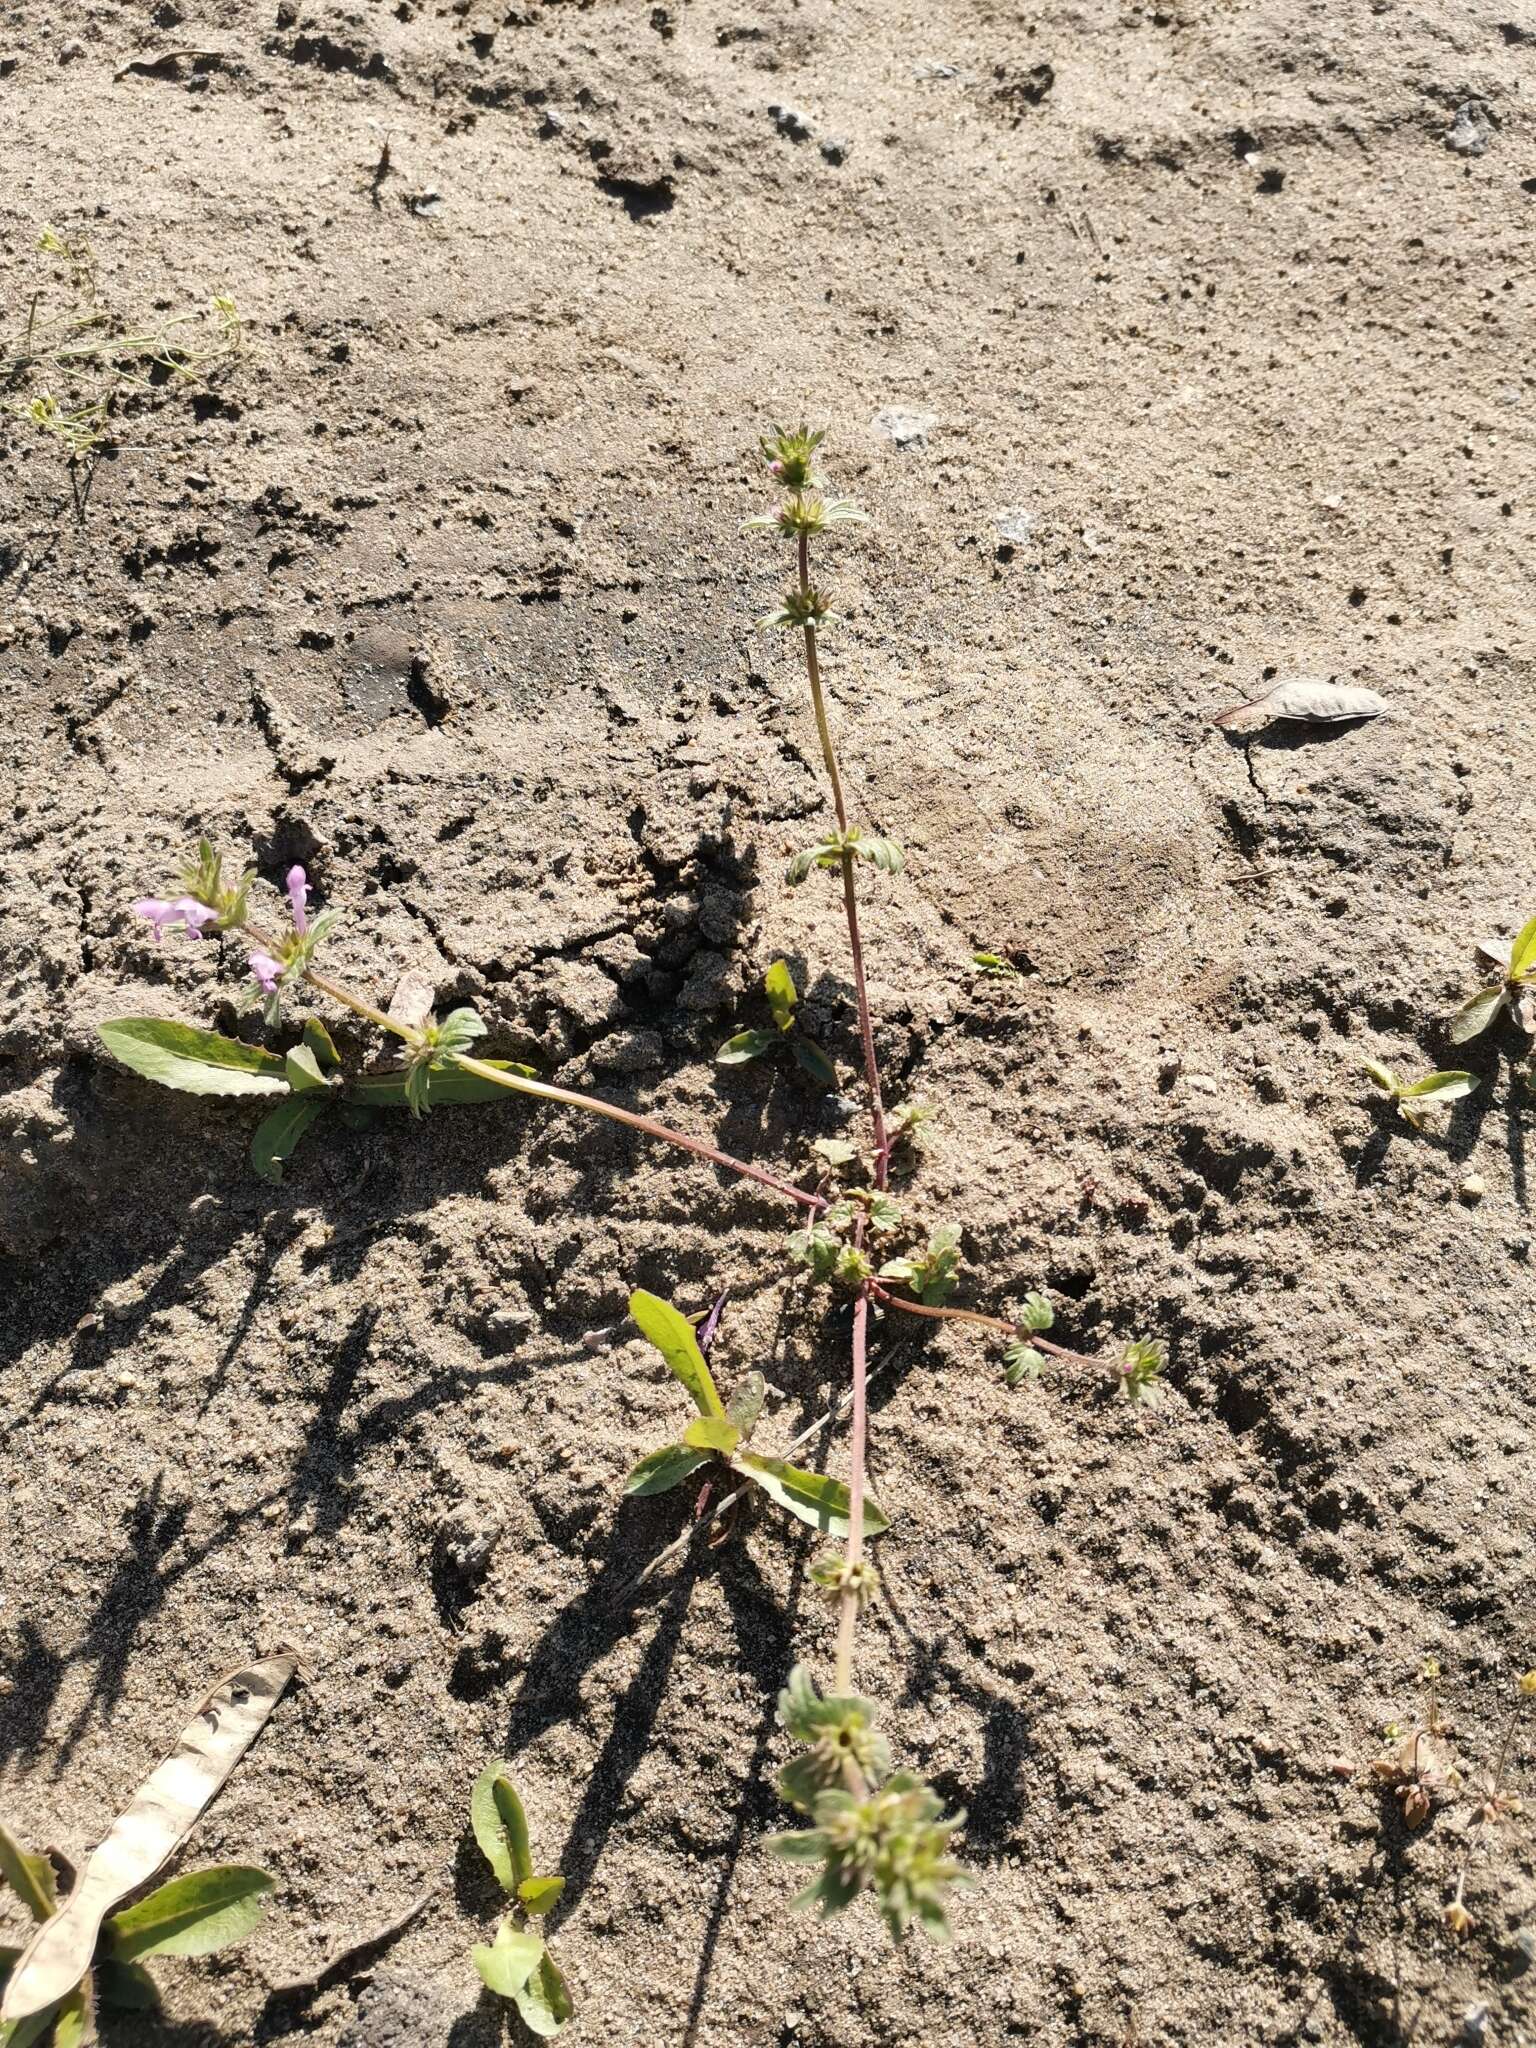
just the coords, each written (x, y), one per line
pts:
(298, 896)
(775, 469)
(179, 910)
(266, 970)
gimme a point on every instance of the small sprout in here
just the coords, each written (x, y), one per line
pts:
(874, 1830)
(836, 1577)
(1141, 1369)
(721, 1433)
(904, 1122)
(437, 1050)
(518, 1964)
(1024, 1362)
(994, 967)
(835, 1153)
(790, 454)
(1515, 989)
(801, 515)
(1457, 1918)
(933, 1274)
(854, 844)
(809, 607)
(1417, 1772)
(1415, 1098)
(783, 997)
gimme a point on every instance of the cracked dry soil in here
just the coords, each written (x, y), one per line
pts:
(1200, 356)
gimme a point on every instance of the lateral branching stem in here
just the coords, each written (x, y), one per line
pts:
(549, 1091)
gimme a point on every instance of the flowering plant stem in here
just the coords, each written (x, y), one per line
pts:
(848, 1602)
(547, 1091)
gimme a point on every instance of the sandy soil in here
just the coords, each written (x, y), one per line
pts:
(438, 588)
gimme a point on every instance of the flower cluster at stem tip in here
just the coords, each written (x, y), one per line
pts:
(208, 905)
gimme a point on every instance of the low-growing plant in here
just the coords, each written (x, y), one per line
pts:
(192, 1915)
(719, 1434)
(1415, 1099)
(783, 997)
(1514, 990)
(1492, 1804)
(88, 355)
(517, 1964)
(873, 1830)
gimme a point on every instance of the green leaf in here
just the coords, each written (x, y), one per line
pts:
(672, 1334)
(501, 1826)
(812, 1496)
(31, 1878)
(661, 1470)
(744, 1046)
(277, 1136)
(711, 1433)
(321, 1044)
(826, 853)
(779, 986)
(1383, 1076)
(835, 1152)
(746, 1404)
(544, 2001)
(1476, 1014)
(75, 2026)
(1522, 954)
(511, 1959)
(814, 1061)
(23, 2033)
(1446, 1087)
(1024, 1362)
(303, 1070)
(198, 1062)
(192, 1915)
(129, 1986)
(885, 853)
(538, 1894)
(447, 1085)
(1037, 1313)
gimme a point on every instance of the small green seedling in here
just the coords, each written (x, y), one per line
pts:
(721, 1432)
(1023, 1361)
(1515, 989)
(1415, 1098)
(932, 1273)
(779, 987)
(518, 1964)
(993, 967)
(874, 1829)
(190, 1916)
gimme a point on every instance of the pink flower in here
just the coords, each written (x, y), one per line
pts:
(179, 910)
(775, 469)
(266, 970)
(298, 896)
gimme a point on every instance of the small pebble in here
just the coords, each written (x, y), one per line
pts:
(1472, 1190)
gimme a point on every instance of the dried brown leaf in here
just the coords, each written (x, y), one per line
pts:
(1313, 703)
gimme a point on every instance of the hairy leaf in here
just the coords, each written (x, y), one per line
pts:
(277, 1136)
(192, 1915)
(673, 1336)
(744, 1046)
(661, 1470)
(812, 1496)
(746, 1404)
(501, 1827)
(197, 1062)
